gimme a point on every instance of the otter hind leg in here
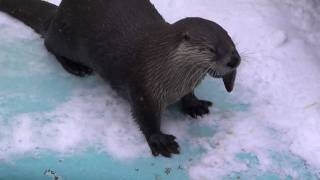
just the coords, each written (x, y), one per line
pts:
(74, 68)
(194, 107)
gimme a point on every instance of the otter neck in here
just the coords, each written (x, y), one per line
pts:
(168, 74)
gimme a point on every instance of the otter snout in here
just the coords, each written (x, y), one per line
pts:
(234, 60)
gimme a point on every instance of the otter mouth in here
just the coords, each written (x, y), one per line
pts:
(215, 74)
(228, 79)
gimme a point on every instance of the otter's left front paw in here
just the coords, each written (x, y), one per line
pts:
(197, 108)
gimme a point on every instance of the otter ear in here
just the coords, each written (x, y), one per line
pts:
(186, 36)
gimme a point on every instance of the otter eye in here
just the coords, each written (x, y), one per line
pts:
(212, 50)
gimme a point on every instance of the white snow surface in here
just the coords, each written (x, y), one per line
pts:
(279, 78)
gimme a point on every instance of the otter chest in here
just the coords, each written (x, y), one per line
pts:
(179, 89)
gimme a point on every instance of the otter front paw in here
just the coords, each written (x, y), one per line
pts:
(163, 144)
(197, 108)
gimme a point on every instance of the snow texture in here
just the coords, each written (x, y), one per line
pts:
(274, 109)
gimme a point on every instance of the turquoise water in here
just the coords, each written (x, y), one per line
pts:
(283, 163)
(93, 165)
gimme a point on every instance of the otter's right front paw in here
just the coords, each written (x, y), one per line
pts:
(163, 144)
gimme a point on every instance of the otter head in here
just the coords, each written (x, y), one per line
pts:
(209, 47)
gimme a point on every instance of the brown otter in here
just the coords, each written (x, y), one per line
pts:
(148, 61)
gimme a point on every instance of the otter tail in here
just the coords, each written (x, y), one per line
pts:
(35, 13)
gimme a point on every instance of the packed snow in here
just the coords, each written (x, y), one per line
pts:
(275, 107)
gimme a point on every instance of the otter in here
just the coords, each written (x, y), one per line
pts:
(148, 61)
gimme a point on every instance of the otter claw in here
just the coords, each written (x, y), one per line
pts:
(198, 108)
(162, 144)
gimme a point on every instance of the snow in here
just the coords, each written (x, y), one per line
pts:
(278, 80)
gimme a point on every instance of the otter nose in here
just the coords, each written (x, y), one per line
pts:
(234, 62)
